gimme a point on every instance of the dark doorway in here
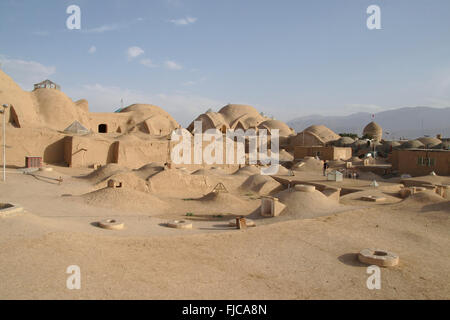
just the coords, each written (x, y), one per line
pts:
(102, 128)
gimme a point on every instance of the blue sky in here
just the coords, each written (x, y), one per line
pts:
(287, 58)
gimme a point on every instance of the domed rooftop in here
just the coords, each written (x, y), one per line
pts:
(345, 141)
(373, 130)
(323, 133)
(412, 144)
(234, 111)
(137, 107)
(445, 145)
(276, 124)
(430, 142)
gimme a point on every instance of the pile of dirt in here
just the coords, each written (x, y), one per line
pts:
(309, 164)
(212, 171)
(261, 184)
(149, 170)
(248, 170)
(130, 180)
(285, 156)
(221, 198)
(356, 196)
(105, 172)
(426, 180)
(126, 200)
(176, 183)
(224, 202)
(424, 197)
(369, 176)
(282, 171)
(306, 205)
(200, 172)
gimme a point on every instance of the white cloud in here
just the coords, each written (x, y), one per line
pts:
(92, 50)
(184, 107)
(148, 63)
(193, 83)
(102, 29)
(184, 21)
(172, 65)
(134, 52)
(26, 73)
(112, 27)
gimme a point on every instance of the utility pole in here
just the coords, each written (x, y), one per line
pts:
(5, 106)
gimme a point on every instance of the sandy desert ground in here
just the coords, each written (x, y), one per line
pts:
(281, 258)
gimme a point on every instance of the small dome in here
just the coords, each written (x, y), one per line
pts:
(430, 142)
(345, 141)
(412, 144)
(276, 124)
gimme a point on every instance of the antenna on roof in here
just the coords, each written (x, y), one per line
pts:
(121, 103)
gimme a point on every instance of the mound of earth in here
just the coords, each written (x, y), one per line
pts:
(261, 184)
(356, 196)
(282, 171)
(285, 156)
(126, 200)
(424, 197)
(177, 183)
(248, 170)
(201, 172)
(309, 164)
(224, 202)
(149, 170)
(129, 180)
(105, 172)
(306, 205)
(369, 176)
(426, 180)
(212, 171)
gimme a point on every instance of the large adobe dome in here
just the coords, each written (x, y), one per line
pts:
(57, 110)
(283, 128)
(23, 102)
(323, 133)
(373, 130)
(232, 112)
(151, 119)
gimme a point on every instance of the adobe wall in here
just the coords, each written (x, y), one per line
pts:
(308, 140)
(326, 153)
(22, 142)
(114, 121)
(406, 161)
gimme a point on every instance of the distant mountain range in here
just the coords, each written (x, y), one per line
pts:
(407, 123)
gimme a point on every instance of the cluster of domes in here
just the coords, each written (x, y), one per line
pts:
(239, 116)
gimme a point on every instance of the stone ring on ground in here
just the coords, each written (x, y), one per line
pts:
(179, 224)
(378, 257)
(111, 224)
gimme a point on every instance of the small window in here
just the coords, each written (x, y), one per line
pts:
(419, 161)
(102, 128)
